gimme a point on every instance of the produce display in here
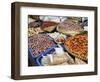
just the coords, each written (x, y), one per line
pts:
(49, 26)
(32, 31)
(63, 41)
(69, 27)
(78, 46)
(39, 43)
(58, 37)
(34, 27)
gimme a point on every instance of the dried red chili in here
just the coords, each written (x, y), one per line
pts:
(78, 45)
(48, 23)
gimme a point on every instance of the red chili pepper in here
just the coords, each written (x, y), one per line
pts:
(48, 23)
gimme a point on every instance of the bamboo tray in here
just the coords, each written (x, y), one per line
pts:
(76, 55)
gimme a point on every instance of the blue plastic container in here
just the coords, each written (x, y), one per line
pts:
(37, 58)
(49, 51)
(42, 53)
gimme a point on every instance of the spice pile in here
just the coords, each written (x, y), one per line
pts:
(49, 26)
(69, 27)
(39, 43)
(78, 45)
